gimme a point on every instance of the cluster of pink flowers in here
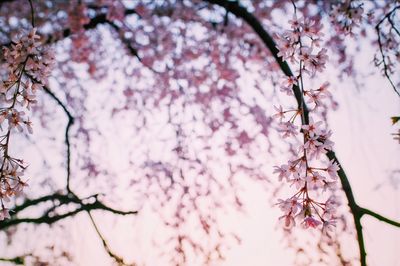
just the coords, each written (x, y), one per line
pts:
(346, 15)
(77, 19)
(28, 65)
(306, 171)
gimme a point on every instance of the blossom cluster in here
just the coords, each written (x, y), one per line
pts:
(346, 15)
(27, 67)
(306, 171)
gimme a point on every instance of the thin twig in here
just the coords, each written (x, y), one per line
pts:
(378, 30)
(32, 13)
(117, 258)
(379, 217)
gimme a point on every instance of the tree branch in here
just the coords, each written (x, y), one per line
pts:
(117, 258)
(19, 260)
(241, 12)
(69, 197)
(379, 217)
(49, 217)
(132, 50)
(378, 31)
(357, 212)
(67, 129)
(354, 208)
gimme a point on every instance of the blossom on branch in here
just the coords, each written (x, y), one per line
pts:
(28, 66)
(298, 45)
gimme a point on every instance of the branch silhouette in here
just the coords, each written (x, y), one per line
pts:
(59, 199)
(357, 212)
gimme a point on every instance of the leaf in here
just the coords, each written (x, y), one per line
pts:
(395, 119)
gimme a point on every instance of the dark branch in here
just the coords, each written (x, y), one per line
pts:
(19, 260)
(354, 208)
(49, 217)
(252, 21)
(117, 258)
(33, 202)
(67, 129)
(32, 13)
(128, 44)
(241, 12)
(385, 65)
(384, 62)
(379, 217)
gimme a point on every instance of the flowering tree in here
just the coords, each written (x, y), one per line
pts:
(176, 101)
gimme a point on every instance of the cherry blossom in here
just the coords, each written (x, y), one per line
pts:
(347, 15)
(310, 221)
(192, 64)
(28, 65)
(299, 171)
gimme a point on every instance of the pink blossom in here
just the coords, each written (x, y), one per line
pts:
(290, 206)
(328, 226)
(311, 144)
(311, 222)
(310, 29)
(283, 171)
(288, 221)
(289, 82)
(332, 169)
(323, 89)
(280, 113)
(4, 214)
(312, 128)
(288, 129)
(315, 181)
(298, 182)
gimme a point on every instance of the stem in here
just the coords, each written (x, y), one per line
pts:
(379, 217)
(32, 13)
(67, 129)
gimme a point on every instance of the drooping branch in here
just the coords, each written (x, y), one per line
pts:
(241, 12)
(65, 33)
(380, 44)
(353, 208)
(67, 129)
(32, 13)
(128, 44)
(58, 199)
(117, 258)
(379, 217)
(84, 207)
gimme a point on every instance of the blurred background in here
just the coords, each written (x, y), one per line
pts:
(172, 104)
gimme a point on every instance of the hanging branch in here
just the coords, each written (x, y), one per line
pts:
(117, 258)
(254, 23)
(380, 44)
(67, 129)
